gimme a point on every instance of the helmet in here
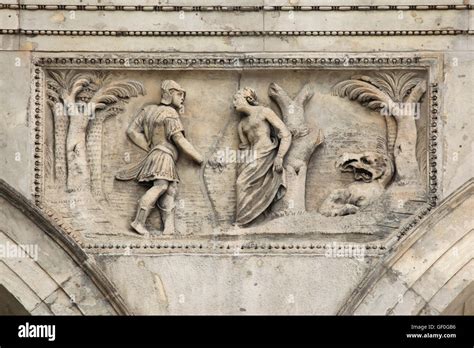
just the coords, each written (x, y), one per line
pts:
(166, 87)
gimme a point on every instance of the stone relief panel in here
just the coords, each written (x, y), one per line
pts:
(254, 151)
(397, 96)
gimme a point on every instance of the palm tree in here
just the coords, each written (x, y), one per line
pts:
(62, 87)
(109, 101)
(397, 95)
(86, 100)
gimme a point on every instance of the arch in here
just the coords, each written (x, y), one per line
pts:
(428, 269)
(44, 269)
(463, 304)
(9, 304)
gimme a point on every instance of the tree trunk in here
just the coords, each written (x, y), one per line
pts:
(405, 151)
(303, 144)
(78, 174)
(405, 144)
(60, 132)
(94, 155)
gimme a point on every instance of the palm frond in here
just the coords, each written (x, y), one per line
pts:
(59, 77)
(362, 91)
(378, 82)
(120, 90)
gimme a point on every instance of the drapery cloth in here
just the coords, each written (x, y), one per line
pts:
(258, 184)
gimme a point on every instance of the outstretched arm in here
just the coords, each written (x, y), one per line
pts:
(184, 145)
(137, 137)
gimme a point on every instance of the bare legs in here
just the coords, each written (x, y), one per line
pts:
(146, 203)
(167, 206)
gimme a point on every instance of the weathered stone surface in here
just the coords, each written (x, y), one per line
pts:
(82, 186)
(424, 281)
(185, 284)
(44, 268)
(461, 281)
(15, 129)
(15, 285)
(356, 118)
(409, 304)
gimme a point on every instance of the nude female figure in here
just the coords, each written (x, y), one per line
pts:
(260, 181)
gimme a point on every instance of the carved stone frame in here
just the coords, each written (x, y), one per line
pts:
(431, 63)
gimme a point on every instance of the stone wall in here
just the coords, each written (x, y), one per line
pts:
(288, 264)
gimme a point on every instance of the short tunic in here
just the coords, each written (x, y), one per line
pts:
(158, 123)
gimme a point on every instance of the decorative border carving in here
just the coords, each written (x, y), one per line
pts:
(233, 8)
(264, 33)
(427, 62)
(232, 61)
(229, 248)
(236, 8)
(37, 105)
(433, 140)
